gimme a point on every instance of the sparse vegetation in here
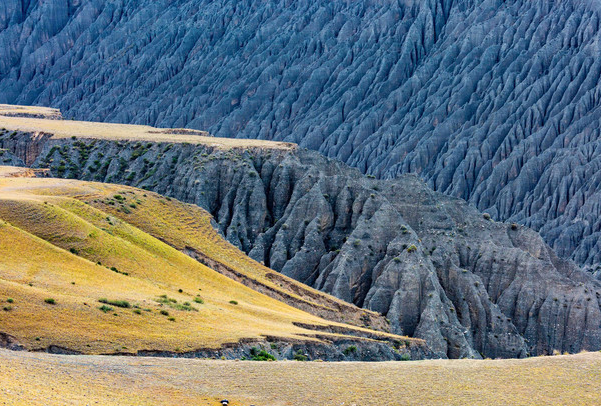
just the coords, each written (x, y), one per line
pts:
(300, 356)
(260, 355)
(172, 303)
(350, 350)
(117, 303)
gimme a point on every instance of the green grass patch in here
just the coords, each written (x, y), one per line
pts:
(118, 303)
(260, 355)
(105, 308)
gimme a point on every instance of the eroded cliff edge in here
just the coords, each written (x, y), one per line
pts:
(435, 266)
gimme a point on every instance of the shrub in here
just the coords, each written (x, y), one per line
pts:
(405, 357)
(234, 302)
(9, 300)
(261, 355)
(198, 300)
(7, 308)
(299, 356)
(486, 216)
(350, 350)
(105, 308)
(137, 311)
(171, 319)
(50, 301)
(514, 226)
(411, 248)
(112, 268)
(119, 303)
(164, 312)
(184, 306)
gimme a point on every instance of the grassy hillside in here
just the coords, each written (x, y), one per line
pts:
(30, 111)
(41, 379)
(46, 120)
(66, 246)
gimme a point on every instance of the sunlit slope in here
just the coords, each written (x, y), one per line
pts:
(77, 242)
(47, 121)
(188, 228)
(30, 111)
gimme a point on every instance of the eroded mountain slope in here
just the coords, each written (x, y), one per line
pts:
(496, 102)
(436, 267)
(93, 268)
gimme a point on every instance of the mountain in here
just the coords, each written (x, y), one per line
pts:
(437, 268)
(495, 102)
(96, 268)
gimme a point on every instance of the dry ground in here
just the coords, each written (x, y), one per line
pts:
(89, 129)
(42, 379)
(11, 109)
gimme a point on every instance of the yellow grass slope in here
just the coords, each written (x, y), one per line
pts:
(35, 111)
(77, 242)
(42, 120)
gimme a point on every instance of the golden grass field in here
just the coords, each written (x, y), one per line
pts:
(75, 241)
(8, 109)
(42, 379)
(109, 131)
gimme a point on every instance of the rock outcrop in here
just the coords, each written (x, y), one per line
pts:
(496, 102)
(435, 266)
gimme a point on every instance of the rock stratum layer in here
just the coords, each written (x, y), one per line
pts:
(496, 102)
(435, 266)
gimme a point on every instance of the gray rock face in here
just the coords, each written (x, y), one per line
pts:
(9, 159)
(435, 266)
(496, 102)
